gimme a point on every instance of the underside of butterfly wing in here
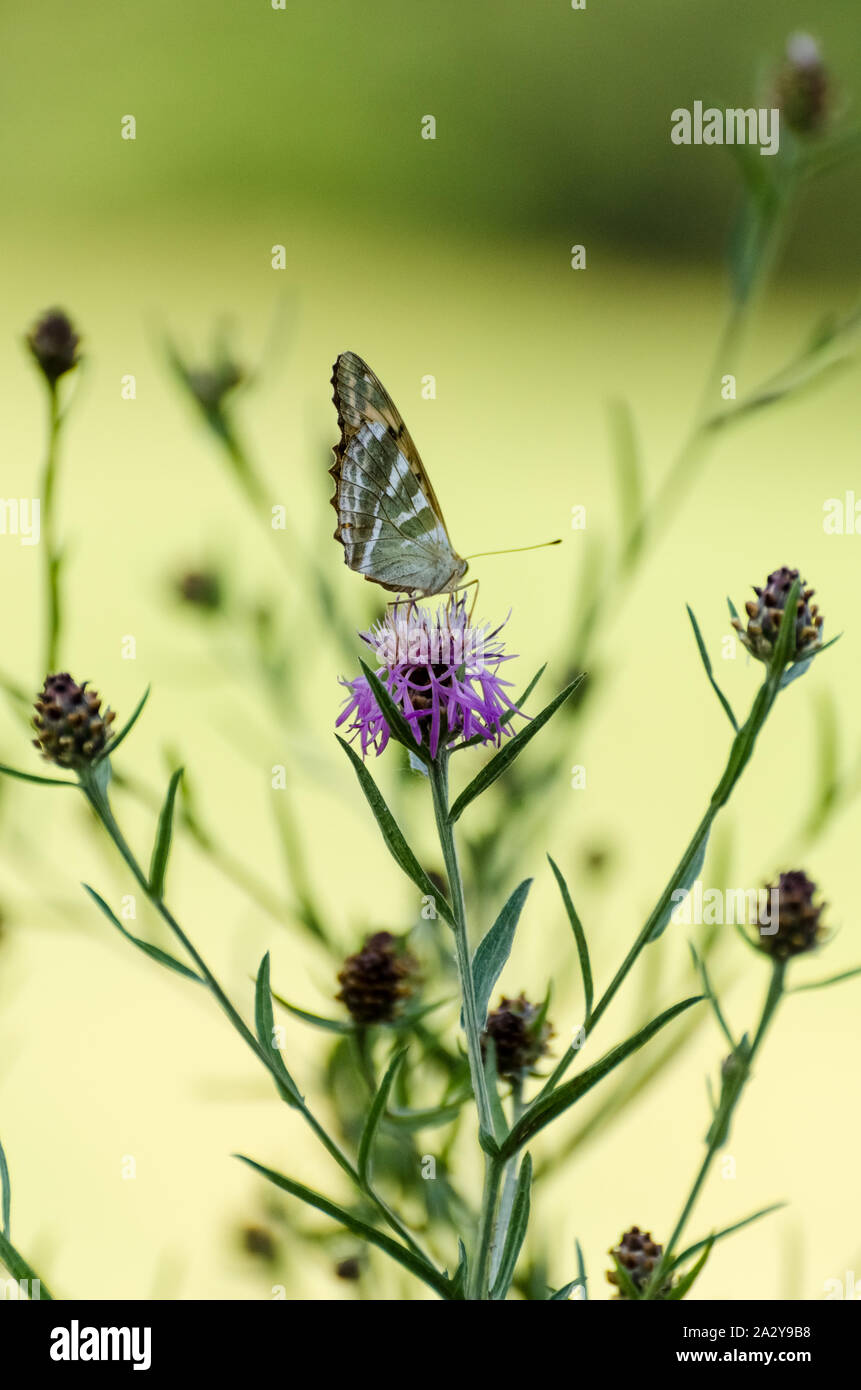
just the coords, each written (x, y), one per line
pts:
(389, 521)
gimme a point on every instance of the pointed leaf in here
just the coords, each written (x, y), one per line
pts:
(161, 848)
(686, 875)
(704, 657)
(798, 668)
(829, 980)
(5, 1196)
(34, 777)
(495, 948)
(422, 1269)
(509, 751)
(124, 731)
(399, 725)
(21, 1270)
(393, 836)
(329, 1025)
(549, 1107)
(375, 1115)
(687, 1280)
(264, 1021)
(719, 1235)
(509, 714)
(516, 1233)
(579, 937)
(497, 1114)
(154, 952)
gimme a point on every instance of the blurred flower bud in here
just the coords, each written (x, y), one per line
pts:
(71, 730)
(521, 1035)
(802, 89)
(350, 1269)
(259, 1242)
(210, 385)
(638, 1254)
(201, 589)
(765, 613)
(377, 980)
(798, 919)
(54, 344)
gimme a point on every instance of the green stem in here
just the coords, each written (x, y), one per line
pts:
(719, 1129)
(509, 1187)
(739, 756)
(49, 543)
(480, 1270)
(99, 802)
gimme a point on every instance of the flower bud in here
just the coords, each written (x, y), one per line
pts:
(54, 344)
(377, 980)
(70, 728)
(798, 918)
(766, 611)
(639, 1255)
(802, 89)
(521, 1036)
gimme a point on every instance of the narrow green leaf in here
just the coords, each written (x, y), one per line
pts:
(264, 1022)
(704, 657)
(626, 454)
(497, 1114)
(330, 1025)
(161, 848)
(581, 1271)
(798, 668)
(21, 1270)
(624, 1282)
(431, 1118)
(700, 967)
(124, 731)
(509, 751)
(495, 948)
(579, 937)
(5, 1196)
(33, 777)
(393, 836)
(563, 1294)
(516, 1232)
(458, 1283)
(687, 1281)
(422, 1269)
(830, 980)
(784, 647)
(399, 725)
(375, 1115)
(726, 1231)
(154, 952)
(686, 875)
(549, 1107)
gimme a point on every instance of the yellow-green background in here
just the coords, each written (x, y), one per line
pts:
(257, 127)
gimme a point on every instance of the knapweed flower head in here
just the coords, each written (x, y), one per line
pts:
(71, 729)
(54, 344)
(442, 673)
(521, 1035)
(638, 1255)
(802, 92)
(798, 927)
(201, 589)
(377, 981)
(766, 611)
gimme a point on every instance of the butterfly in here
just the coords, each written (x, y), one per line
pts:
(389, 521)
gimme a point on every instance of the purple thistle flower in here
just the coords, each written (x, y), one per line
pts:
(442, 672)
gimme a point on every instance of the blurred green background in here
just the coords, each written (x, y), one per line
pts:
(451, 258)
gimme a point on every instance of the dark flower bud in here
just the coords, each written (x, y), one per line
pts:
(798, 918)
(54, 344)
(377, 980)
(521, 1035)
(639, 1256)
(211, 385)
(350, 1269)
(766, 611)
(201, 589)
(802, 88)
(70, 728)
(259, 1242)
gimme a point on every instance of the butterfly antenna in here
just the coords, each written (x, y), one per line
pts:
(516, 550)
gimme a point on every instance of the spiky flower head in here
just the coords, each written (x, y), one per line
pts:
(71, 729)
(54, 344)
(377, 981)
(442, 673)
(799, 928)
(766, 611)
(803, 87)
(638, 1255)
(521, 1034)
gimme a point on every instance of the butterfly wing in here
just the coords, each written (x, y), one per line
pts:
(389, 521)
